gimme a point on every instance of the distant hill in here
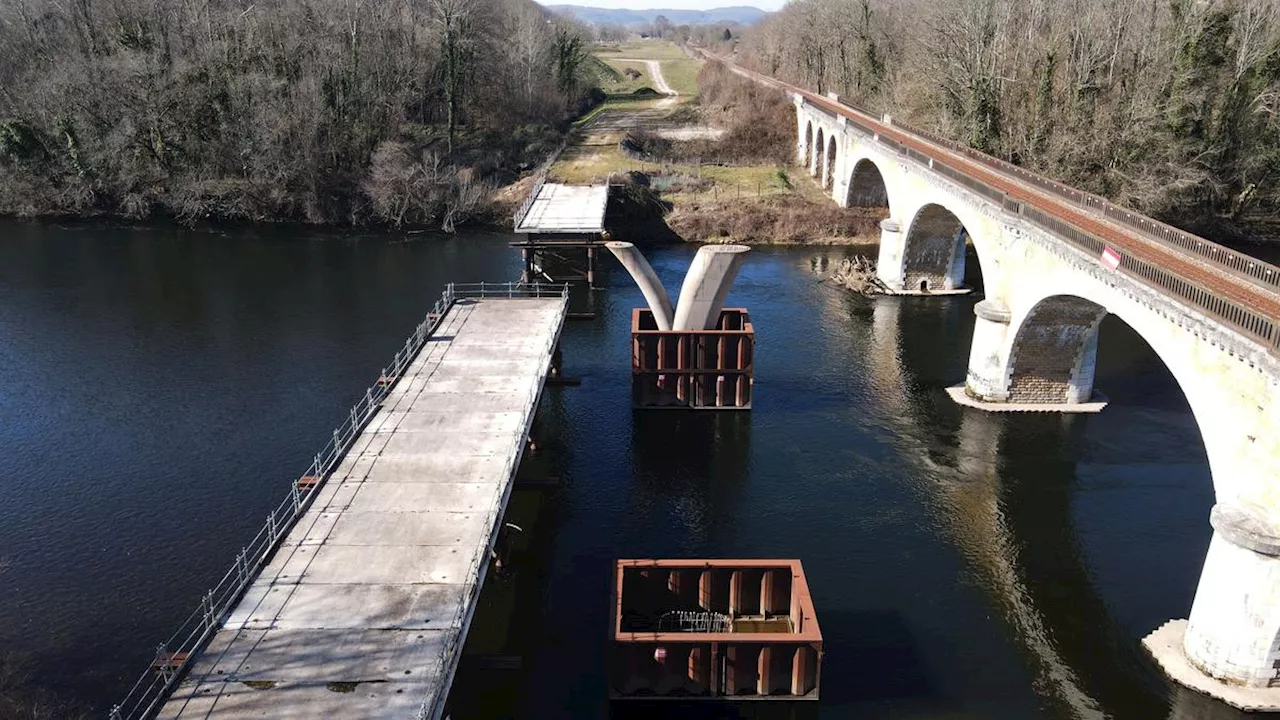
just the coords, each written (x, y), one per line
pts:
(606, 16)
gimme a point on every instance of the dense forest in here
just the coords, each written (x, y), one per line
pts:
(1169, 106)
(322, 111)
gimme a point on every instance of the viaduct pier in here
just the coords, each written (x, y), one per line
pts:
(1054, 262)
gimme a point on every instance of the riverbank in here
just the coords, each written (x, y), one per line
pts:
(712, 151)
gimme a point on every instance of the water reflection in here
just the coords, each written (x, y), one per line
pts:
(962, 564)
(1006, 486)
(965, 478)
(688, 470)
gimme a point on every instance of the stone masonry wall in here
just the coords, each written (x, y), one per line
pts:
(1047, 348)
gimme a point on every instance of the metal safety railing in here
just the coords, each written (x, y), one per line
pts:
(433, 706)
(695, 621)
(174, 654)
(510, 290)
(1263, 274)
(543, 171)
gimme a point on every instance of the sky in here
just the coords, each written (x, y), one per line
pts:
(664, 4)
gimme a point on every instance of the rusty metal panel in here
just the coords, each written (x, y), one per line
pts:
(696, 369)
(713, 629)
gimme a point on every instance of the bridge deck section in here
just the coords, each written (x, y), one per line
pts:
(363, 610)
(566, 209)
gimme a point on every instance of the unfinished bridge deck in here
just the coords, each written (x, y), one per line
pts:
(564, 210)
(364, 607)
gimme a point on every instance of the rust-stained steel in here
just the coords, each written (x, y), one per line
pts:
(714, 629)
(168, 662)
(560, 257)
(694, 369)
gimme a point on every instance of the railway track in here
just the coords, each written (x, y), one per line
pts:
(1239, 300)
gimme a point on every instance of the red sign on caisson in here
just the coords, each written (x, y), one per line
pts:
(1111, 257)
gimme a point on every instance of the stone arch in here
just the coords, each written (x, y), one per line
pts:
(867, 186)
(1051, 348)
(1052, 355)
(830, 178)
(933, 254)
(817, 168)
(1233, 625)
(808, 144)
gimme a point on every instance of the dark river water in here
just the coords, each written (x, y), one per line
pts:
(159, 389)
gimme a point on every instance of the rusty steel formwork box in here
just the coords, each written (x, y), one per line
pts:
(713, 630)
(693, 369)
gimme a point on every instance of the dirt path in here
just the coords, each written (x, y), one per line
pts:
(655, 72)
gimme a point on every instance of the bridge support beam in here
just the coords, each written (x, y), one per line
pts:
(986, 379)
(1230, 645)
(891, 262)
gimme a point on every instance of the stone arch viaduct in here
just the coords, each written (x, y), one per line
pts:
(1054, 262)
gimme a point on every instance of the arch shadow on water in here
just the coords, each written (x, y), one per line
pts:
(1097, 524)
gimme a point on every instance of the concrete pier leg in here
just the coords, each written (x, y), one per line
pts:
(1230, 645)
(1233, 633)
(891, 263)
(986, 379)
(646, 279)
(706, 285)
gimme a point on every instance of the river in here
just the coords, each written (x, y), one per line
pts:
(160, 387)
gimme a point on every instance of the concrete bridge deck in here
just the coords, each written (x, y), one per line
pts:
(556, 209)
(363, 610)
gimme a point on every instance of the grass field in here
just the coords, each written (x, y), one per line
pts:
(682, 75)
(595, 155)
(680, 71)
(643, 49)
(626, 85)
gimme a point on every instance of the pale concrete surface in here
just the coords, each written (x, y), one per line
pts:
(655, 294)
(1095, 405)
(363, 610)
(1233, 625)
(566, 208)
(1165, 645)
(706, 285)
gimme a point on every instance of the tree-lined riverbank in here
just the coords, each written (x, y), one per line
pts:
(318, 111)
(1167, 107)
